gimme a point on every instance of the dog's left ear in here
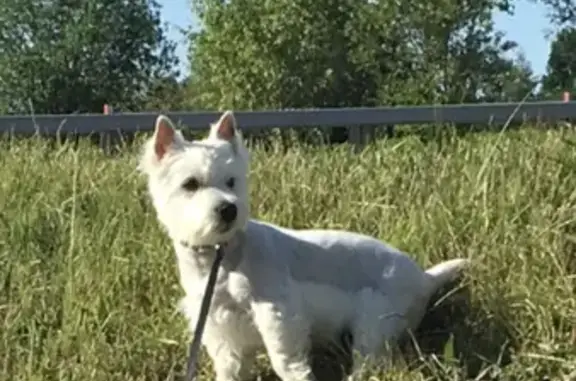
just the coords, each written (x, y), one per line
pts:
(225, 128)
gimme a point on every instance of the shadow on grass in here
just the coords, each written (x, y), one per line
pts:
(478, 339)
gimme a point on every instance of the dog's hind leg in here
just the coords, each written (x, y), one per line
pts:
(374, 331)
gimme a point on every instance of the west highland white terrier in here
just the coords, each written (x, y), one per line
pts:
(278, 289)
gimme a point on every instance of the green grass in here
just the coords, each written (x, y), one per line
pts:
(88, 281)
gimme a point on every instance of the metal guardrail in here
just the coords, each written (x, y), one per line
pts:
(478, 113)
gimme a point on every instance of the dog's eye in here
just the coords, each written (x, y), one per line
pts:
(191, 185)
(230, 182)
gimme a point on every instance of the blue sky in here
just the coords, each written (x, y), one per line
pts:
(528, 27)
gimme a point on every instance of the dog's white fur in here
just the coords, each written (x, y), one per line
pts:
(278, 288)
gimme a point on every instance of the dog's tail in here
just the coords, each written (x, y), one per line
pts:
(445, 272)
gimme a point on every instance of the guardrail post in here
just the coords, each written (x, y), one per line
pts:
(109, 141)
(566, 99)
(360, 136)
(354, 137)
(104, 140)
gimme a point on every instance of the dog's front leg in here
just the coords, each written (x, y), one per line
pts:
(286, 337)
(225, 340)
(232, 361)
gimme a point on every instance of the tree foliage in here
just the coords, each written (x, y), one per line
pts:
(63, 56)
(561, 68)
(331, 53)
(560, 12)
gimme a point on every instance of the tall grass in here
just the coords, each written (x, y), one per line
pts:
(88, 284)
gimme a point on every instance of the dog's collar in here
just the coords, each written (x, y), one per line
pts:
(234, 241)
(231, 248)
(203, 247)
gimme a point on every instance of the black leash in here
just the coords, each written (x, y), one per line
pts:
(197, 339)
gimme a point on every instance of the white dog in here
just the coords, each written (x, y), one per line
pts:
(278, 289)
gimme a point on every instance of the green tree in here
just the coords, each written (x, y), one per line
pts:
(62, 56)
(467, 48)
(560, 12)
(167, 94)
(260, 53)
(332, 53)
(513, 81)
(561, 69)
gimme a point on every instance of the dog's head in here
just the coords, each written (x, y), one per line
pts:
(199, 188)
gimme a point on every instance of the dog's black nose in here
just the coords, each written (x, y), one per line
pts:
(227, 211)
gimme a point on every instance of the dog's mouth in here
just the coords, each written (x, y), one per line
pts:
(225, 227)
(225, 232)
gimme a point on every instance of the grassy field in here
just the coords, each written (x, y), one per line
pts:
(88, 282)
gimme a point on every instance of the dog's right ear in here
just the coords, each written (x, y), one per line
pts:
(166, 139)
(164, 136)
